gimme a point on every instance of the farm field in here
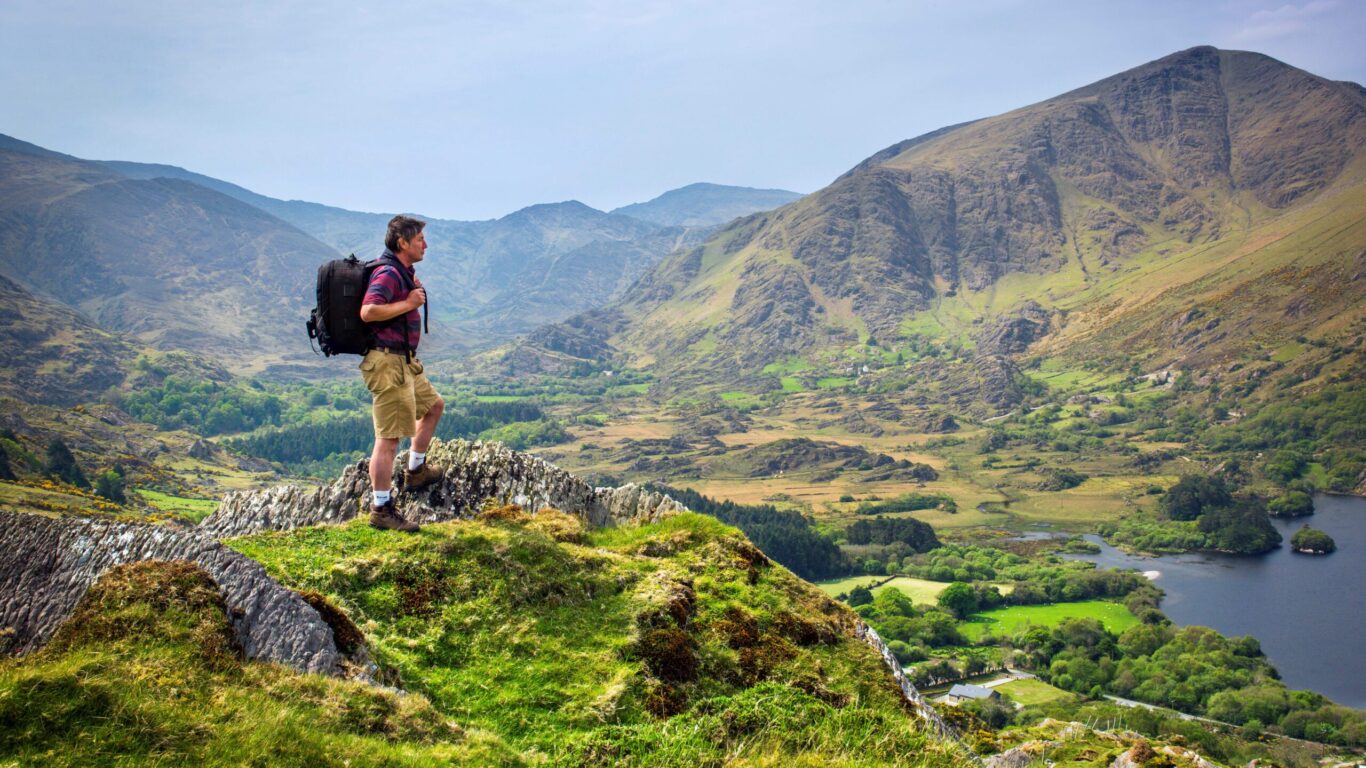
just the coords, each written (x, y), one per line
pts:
(1031, 691)
(1004, 621)
(194, 510)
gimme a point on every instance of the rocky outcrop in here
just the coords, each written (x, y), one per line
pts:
(474, 472)
(918, 705)
(48, 564)
(1014, 332)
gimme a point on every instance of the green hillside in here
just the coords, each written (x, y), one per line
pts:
(516, 639)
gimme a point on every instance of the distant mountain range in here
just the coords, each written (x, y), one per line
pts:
(181, 260)
(1196, 210)
(706, 205)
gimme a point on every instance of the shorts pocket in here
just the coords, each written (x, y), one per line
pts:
(377, 376)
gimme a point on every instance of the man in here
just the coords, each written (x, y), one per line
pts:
(405, 405)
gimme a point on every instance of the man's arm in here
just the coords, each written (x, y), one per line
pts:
(378, 313)
(376, 308)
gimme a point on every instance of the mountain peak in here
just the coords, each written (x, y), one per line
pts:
(704, 204)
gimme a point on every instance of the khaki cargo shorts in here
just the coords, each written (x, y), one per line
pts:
(401, 391)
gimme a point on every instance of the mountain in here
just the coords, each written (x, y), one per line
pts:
(52, 355)
(706, 205)
(489, 280)
(1197, 209)
(167, 262)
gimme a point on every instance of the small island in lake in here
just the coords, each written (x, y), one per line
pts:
(1311, 541)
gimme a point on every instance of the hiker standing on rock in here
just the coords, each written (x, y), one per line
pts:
(405, 404)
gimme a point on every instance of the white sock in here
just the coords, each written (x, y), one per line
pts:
(415, 460)
(380, 497)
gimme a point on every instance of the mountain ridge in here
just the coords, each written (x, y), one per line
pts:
(1056, 203)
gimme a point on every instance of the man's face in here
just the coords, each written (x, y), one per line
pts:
(413, 249)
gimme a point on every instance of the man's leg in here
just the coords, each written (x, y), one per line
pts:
(382, 463)
(426, 426)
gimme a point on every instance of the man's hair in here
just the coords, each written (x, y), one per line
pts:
(402, 228)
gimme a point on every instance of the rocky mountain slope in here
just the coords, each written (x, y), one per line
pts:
(169, 263)
(1137, 213)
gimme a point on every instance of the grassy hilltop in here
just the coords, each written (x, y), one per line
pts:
(519, 640)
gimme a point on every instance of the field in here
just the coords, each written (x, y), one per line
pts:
(1032, 691)
(1007, 621)
(190, 509)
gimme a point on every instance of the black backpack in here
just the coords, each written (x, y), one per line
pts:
(335, 322)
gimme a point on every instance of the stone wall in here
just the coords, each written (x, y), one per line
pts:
(473, 472)
(48, 564)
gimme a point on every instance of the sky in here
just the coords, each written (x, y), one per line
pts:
(471, 110)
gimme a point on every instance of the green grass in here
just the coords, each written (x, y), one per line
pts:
(637, 389)
(550, 644)
(792, 384)
(1008, 621)
(833, 382)
(921, 591)
(790, 365)
(193, 510)
(842, 586)
(739, 398)
(519, 640)
(1288, 352)
(145, 674)
(499, 398)
(1033, 691)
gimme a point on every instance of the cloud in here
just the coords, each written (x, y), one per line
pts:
(1278, 23)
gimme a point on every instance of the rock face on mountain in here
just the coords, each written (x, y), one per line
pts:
(1013, 332)
(1050, 200)
(48, 564)
(474, 473)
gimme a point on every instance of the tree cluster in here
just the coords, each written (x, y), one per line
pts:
(784, 535)
(302, 443)
(61, 465)
(915, 534)
(1190, 669)
(1228, 522)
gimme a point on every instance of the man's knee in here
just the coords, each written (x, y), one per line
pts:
(437, 408)
(387, 444)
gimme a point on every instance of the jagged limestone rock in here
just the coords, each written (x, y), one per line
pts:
(922, 708)
(48, 564)
(473, 472)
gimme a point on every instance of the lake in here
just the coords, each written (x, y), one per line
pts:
(1308, 612)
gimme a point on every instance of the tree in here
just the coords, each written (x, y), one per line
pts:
(1193, 495)
(860, 595)
(62, 465)
(959, 598)
(109, 484)
(6, 472)
(1292, 504)
(1313, 541)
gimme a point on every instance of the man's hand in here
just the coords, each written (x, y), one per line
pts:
(418, 297)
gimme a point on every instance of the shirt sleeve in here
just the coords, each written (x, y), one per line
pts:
(384, 286)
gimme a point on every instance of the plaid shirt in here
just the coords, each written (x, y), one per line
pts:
(386, 287)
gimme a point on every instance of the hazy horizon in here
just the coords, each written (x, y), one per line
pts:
(475, 110)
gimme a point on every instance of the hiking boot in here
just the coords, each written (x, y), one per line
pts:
(423, 476)
(387, 518)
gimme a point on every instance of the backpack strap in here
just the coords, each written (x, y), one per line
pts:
(388, 259)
